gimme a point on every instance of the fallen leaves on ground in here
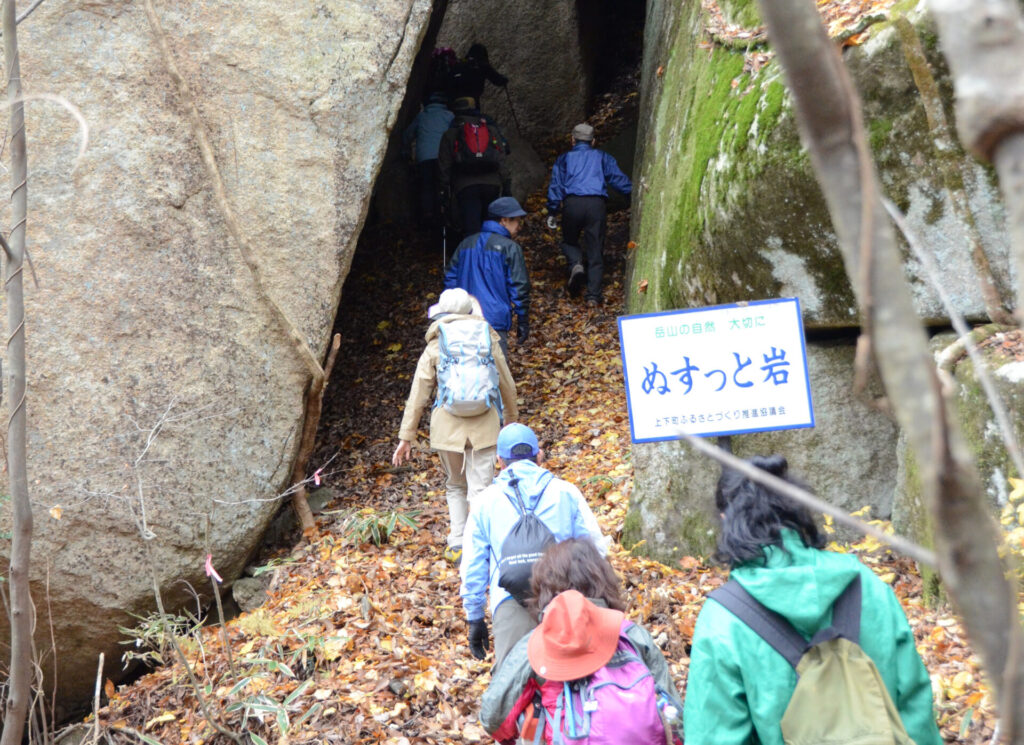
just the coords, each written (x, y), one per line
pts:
(360, 643)
(846, 21)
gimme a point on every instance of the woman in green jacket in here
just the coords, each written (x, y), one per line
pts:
(738, 686)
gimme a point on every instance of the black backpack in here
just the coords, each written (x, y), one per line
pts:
(477, 148)
(522, 547)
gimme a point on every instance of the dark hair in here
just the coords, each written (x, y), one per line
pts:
(478, 52)
(753, 516)
(574, 564)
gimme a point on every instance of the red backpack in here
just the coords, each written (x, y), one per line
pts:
(477, 149)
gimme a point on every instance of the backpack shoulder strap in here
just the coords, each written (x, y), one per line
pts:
(845, 616)
(767, 624)
(518, 503)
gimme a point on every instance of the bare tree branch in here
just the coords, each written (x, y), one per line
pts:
(27, 13)
(966, 337)
(20, 681)
(220, 193)
(831, 123)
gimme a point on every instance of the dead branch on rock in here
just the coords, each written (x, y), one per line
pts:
(220, 193)
(19, 686)
(316, 372)
(828, 111)
(311, 421)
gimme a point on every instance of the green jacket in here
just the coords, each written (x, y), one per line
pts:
(738, 686)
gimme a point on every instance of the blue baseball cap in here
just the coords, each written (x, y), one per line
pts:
(517, 441)
(505, 207)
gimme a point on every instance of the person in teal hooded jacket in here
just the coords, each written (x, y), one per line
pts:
(738, 686)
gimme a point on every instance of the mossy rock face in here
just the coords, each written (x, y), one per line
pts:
(848, 458)
(979, 430)
(984, 443)
(978, 424)
(728, 203)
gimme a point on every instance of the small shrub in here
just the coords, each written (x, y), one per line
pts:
(368, 525)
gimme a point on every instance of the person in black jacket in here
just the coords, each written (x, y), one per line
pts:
(469, 75)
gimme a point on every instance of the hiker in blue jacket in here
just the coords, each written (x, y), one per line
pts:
(489, 265)
(426, 131)
(559, 506)
(577, 188)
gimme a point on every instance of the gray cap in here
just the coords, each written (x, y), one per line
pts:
(505, 207)
(455, 300)
(583, 133)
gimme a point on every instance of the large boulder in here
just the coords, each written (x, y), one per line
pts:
(730, 207)
(164, 398)
(537, 46)
(729, 210)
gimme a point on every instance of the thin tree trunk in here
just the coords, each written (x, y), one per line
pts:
(19, 685)
(1009, 158)
(831, 123)
(310, 423)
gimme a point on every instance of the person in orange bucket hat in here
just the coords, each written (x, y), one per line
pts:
(575, 638)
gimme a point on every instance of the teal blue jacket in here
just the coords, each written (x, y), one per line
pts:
(738, 687)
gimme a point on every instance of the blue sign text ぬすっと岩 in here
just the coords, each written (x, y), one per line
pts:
(721, 370)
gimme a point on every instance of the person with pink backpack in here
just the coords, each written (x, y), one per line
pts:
(586, 675)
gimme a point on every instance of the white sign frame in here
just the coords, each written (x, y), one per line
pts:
(773, 327)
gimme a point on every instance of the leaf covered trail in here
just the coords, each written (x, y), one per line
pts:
(360, 643)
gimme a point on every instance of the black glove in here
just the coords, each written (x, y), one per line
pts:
(478, 641)
(522, 330)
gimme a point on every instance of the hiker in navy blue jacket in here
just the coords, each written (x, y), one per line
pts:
(489, 265)
(426, 130)
(577, 188)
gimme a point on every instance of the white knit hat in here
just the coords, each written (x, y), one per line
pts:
(455, 300)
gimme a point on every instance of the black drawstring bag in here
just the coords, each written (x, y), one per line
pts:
(522, 547)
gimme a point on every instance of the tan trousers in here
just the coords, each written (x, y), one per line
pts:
(469, 473)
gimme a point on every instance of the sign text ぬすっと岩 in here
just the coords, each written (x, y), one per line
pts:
(721, 370)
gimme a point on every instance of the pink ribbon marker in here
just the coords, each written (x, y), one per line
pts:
(316, 476)
(210, 571)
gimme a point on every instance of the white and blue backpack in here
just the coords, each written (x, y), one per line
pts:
(467, 376)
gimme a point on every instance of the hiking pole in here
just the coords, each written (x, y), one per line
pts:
(513, 110)
(444, 237)
(444, 244)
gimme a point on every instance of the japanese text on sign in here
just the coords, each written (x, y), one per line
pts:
(721, 370)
